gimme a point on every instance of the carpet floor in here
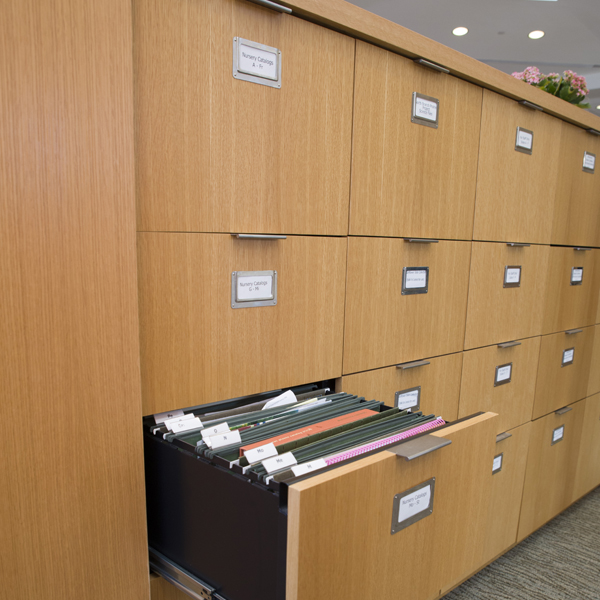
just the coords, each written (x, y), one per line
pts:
(560, 561)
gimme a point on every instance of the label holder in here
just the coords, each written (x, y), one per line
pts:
(246, 75)
(585, 168)
(421, 290)
(565, 363)
(503, 381)
(416, 406)
(433, 123)
(235, 303)
(399, 526)
(556, 440)
(575, 278)
(523, 149)
(496, 461)
(507, 272)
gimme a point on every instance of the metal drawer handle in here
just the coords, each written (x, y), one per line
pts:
(563, 411)
(531, 105)
(420, 446)
(518, 245)
(430, 65)
(273, 6)
(413, 365)
(509, 344)
(593, 131)
(503, 436)
(258, 236)
(572, 331)
(581, 249)
(421, 241)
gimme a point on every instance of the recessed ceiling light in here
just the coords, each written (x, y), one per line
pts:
(536, 35)
(598, 107)
(460, 31)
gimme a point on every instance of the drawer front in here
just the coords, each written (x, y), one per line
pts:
(196, 348)
(215, 153)
(506, 293)
(328, 516)
(594, 378)
(512, 205)
(588, 465)
(385, 326)
(409, 179)
(551, 465)
(501, 380)
(577, 206)
(569, 305)
(435, 385)
(563, 370)
(160, 589)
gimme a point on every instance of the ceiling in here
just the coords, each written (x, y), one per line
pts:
(498, 32)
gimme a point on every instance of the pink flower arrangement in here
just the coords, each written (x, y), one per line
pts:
(570, 87)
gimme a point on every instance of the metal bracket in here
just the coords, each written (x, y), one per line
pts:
(530, 105)
(272, 6)
(413, 365)
(419, 446)
(430, 65)
(509, 344)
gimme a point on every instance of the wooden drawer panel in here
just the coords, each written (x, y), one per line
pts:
(559, 385)
(512, 205)
(217, 154)
(438, 382)
(588, 465)
(568, 306)
(346, 515)
(195, 348)
(498, 312)
(594, 379)
(384, 327)
(160, 589)
(577, 206)
(409, 179)
(550, 474)
(482, 387)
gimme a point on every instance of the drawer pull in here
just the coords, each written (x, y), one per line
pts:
(593, 131)
(430, 65)
(273, 6)
(503, 436)
(258, 236)
(573, 331)
(518, 245)
(413, 365)
(578, 249)
(531, 105)
(421, 241)
(563, 411)
(420, 446)
(509, 344)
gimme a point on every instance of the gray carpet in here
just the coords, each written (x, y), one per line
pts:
(560, 561)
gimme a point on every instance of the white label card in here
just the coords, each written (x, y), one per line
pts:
(414, 503)
(257, 62)
(214, 430)
(257, 287)
(260, 453)
(309, 467)
(497, 463)
(225, 439)
(187, 425)
(278, 463)
(512, 275)
(576, 274)
(425, 109)
(503, 373)
(162, 417)
(408, 399)
(558, 434)
(568, 356)
(415, 279)
(524, 139)
(589, 161)
(170, 422)
(282, 400)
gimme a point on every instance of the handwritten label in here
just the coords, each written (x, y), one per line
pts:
(225, 439)
(415, 279)
(497, 463)
(187, 425)
(576, 275)
(277, 463)
(589, 161)
(512, 275)
(162, 417)
(558, 434)
(503, 373)
(524, 139)
(214, 430)
(257, 62)
(414, 503)
(170, 422)
(309, 467)
(568, 356)
(257, 287)
(408, 399)
(425, 109)
(261, 453)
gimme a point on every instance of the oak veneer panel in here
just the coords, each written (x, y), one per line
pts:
(344, 516)
(588, 464)
(577, 205)
(511, 204)
(72, 514)
(196, 349)
(383, 327)
(499, 314)
(570, 306)
(513, 401)
(550, 474)
(409, 179)
(556, 385)
(219, 154)
(594, 379)
(161, 589)
(439, 382)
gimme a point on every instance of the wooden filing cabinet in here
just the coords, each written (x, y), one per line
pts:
(577, 206)
(433, 382)
(410, 179)
(215, 153)
(594, 378)
(196, 348)
(588, 465)
(501, 379)
(385, 326)
(551, 466)
(506, 293)
(563, 370)
(571, 303)
(515, 189)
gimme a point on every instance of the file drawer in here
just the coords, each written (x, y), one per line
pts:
(410, 178)
(571, 289)
(563, 369)
(515, 189)
(588, 466)
(501, 379)
(385, 326)
(577, 206)
(594, 379)
(551, 465)
(506, 293)
(196, 348)
(433, 383)
(217, 153)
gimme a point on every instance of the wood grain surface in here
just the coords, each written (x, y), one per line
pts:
(588, 465)
(72, 513)
(161, 589)
(218, 154)
(410, 179)
(594, 378)
(512, 402)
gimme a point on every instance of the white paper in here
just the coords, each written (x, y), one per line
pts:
(568, 355)
(170, 422)
(308, 467)
(187, 425)
(513, 275)
(415, 279)
(558, 433)
(497, 463)
(277, 463)
(524, 140)
(162, 417)
(282, 400)
(214, 430)
(255, 287)
(225, 439)
(257, 62)
(576, 275)
(414, 503)
(589, 161)
(425, 109)
(408, 400)
(260, 453)
(503, 373)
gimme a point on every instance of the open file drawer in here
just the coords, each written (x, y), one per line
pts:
(333, 534)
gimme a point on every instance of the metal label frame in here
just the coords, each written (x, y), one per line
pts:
(235, 303)
(496, 382)
(246, 76)
(512, 285)
(396, 526)
(421, 120)
(569, 362)
(576, 282)
(562, 437)
(423, 290)
(521, 148)
(501, 455)
(587, 169)
(412, 389)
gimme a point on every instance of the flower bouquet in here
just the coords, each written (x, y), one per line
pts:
(570, 87)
